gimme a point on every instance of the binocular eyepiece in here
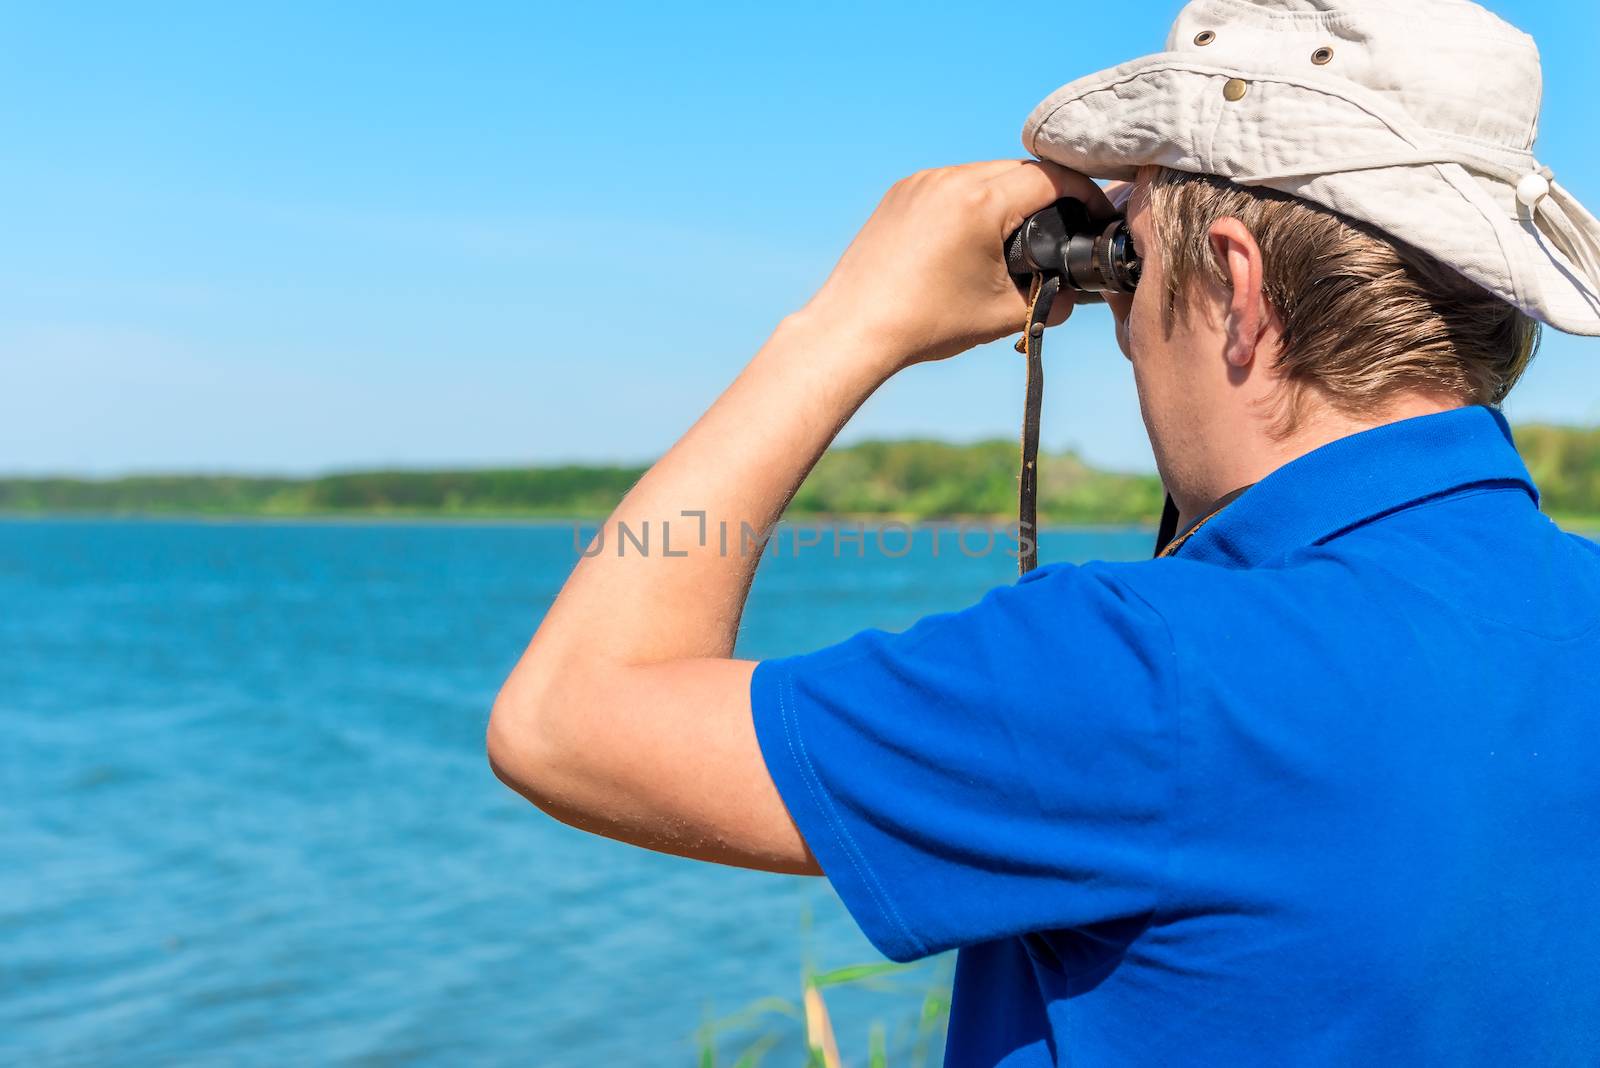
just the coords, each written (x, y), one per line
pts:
(1092, 257)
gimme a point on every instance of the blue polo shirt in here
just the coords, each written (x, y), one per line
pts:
(1322, 788)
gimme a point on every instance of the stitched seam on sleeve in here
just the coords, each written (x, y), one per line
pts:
(1169, 878)
(824, 804)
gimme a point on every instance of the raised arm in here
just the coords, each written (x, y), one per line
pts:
(626, 715)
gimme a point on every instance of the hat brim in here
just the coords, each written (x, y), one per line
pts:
(1167, 109)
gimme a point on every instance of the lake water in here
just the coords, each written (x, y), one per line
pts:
(245, 816)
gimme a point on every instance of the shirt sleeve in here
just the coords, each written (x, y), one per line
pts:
(1004, 769)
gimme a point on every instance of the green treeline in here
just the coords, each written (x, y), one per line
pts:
(927, 479)
(569, 491)
(1565, 465)
(906, 479)
(912, 479)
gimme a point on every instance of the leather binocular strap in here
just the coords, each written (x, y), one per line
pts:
(1041, 295)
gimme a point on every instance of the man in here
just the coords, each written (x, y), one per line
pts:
(1321, 784)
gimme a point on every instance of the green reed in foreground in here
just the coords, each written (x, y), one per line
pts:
(771, 1017)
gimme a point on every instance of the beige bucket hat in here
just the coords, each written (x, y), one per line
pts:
(1416, 116)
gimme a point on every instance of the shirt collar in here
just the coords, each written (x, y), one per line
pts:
(1357, 479)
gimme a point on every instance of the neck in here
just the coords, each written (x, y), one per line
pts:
(1239, 459)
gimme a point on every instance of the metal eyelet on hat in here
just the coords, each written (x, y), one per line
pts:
(1204, 37)
(1322, 56)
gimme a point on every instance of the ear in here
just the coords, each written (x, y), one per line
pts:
(1247, 314)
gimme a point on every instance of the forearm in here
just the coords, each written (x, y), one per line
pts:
(733, 473)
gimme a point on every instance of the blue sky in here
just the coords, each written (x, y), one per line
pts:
(297, 237)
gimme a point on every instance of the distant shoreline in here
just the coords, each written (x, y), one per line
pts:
(1583, 524)
(884, 482)
(868, 522)
(873, 482)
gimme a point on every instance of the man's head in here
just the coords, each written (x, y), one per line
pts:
(1341, 218)
(1265, 316)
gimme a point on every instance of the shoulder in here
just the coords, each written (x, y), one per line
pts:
(1059, 601)
(1064, 638)
(1181, 590)
(1584, 544)
(1098, 602)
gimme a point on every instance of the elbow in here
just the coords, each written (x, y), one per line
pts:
(543, 738)
(520, 746)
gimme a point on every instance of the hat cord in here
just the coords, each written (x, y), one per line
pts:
(1571, 221)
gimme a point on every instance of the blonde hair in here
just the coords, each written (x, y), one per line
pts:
(1363, 315)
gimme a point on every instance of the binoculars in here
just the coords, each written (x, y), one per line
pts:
(1093, 257)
